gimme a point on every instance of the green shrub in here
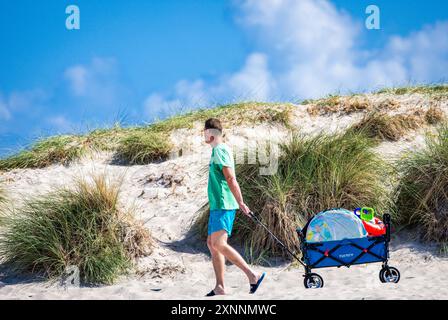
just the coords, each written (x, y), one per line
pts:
(433, 89)
(338, 104)
(144, 147)
(434, 115)
(422, 193)
(58, 149)
(82, 227)
(383, 127)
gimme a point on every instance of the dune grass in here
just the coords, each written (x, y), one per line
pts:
(60, 149)
(381, 126)
(384, 127)
(330, 100)
(358, 102)
(232, 114)
(314, 174)
(144, 147)
(433, 89)
(338, 104)
(82, 227)
(350, 104)
(434, 115)
(2, 195)
(144, 143)
(422, 193)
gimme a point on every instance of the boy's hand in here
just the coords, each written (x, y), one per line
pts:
(245, 209)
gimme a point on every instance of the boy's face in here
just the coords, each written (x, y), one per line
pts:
(208, 136)
(211, 135)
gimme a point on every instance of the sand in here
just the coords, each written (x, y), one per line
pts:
(167, 197)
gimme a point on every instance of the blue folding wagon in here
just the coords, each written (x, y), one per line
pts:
(336, 238)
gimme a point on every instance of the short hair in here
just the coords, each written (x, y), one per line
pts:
(213, 123)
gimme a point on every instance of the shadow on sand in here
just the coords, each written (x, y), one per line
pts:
(193, 243)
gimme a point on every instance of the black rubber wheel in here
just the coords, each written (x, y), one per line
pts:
(313, 281)
(389, 275)
(382, 275)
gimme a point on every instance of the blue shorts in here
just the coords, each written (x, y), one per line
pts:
(221, 220)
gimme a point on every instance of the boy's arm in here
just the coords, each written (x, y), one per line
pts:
(235, 188)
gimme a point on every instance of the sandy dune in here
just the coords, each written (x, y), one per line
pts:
(167, 196)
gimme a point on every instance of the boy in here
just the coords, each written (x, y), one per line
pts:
(225, 198)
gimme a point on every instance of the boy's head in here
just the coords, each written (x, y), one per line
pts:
(212, 130)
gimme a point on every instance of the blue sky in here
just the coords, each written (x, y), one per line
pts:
(135, 61)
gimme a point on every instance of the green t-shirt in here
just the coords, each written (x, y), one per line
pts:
(219, 194)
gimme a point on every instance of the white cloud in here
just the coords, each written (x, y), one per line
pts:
(316, 46)
(77, 77)
(60, 123)
(96, 81)
(192, 92)
(290, 27)
(21, 101)
(252, 82)
(5, 114)
(309, 48)
(424, 54)
(187, 94)
(156, 106)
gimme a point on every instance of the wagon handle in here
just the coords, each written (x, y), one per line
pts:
(252, 215)
(386, 220)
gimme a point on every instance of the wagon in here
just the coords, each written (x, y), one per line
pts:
(337, 238)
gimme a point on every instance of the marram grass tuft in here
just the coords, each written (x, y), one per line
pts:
(82, 227)
(422, 193)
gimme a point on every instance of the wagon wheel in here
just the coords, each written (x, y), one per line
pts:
(313, 281)
(389, 275)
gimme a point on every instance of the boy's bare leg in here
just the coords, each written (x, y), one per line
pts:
(219, 243)
(219, 266)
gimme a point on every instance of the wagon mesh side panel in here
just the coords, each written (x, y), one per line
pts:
(346, 252)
